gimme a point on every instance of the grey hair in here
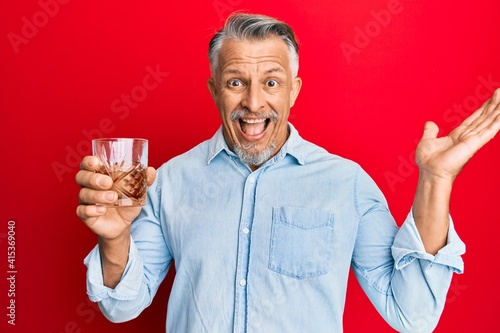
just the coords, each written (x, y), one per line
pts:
(241, 27)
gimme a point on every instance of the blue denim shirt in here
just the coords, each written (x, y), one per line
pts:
(270, 250)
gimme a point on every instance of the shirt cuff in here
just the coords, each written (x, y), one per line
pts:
(408, 246)
(130, 282)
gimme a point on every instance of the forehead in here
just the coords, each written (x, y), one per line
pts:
(272, 51)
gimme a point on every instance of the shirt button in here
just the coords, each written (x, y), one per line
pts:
(246, 231)
(251, 180)
(243, 282)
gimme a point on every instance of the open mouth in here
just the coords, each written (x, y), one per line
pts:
(254, 127)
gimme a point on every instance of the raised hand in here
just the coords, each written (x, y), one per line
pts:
(440, 160)
(112, 225)
(107, 223)
(445, 157)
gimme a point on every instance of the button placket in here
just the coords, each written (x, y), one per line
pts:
(244, 253)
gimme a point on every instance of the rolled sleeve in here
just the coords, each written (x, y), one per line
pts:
(408, 246)
(130, 283)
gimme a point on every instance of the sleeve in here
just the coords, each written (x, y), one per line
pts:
(408, 246)
(407, 286)
(148, 264)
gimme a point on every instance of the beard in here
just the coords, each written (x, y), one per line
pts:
(248, 152)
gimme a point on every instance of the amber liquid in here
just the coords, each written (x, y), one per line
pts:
(131, 185)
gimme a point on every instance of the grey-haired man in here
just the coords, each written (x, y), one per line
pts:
(264, 226)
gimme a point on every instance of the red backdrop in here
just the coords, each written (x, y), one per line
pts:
(373, 72)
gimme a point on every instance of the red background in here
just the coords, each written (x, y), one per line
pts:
(64, 72)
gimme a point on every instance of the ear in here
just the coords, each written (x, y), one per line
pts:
(212, 88)
(294, 93)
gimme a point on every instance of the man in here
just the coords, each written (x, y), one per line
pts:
(264, 226)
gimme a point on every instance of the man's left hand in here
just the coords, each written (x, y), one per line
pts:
(445, 157)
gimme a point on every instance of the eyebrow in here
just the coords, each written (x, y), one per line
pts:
(275, 69)
(231, 71)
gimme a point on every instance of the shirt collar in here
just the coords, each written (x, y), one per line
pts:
(294, 146)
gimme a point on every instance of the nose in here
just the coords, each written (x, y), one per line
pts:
(254, 98)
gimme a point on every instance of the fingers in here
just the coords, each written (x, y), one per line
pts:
(89, 214)
(151, 173)
(94, 190)
(487, 111)
(495, 99)
(487, 133)
(90, 163)
(87, 177)
(487, 123)
(431, 130)
(93, 180)
(493, 108)
(88, 196)
(474, 116)
(484, 123)
(95, 193)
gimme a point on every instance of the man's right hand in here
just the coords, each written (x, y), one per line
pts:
(107, 223)
(110, 224)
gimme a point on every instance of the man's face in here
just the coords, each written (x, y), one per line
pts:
(254, 90)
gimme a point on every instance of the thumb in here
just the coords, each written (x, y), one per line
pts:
(431, 130)
(151, 173)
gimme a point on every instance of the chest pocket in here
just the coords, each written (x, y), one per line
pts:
(301, 242)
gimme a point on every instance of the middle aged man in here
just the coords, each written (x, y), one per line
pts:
(264, 226)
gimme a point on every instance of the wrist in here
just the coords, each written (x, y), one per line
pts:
(435, 179)
(113, 249)
(114, 258)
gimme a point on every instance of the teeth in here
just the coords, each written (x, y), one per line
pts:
(253, 121)
(253, 126)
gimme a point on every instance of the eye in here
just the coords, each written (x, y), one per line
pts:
(234, 83)
(272, 83)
